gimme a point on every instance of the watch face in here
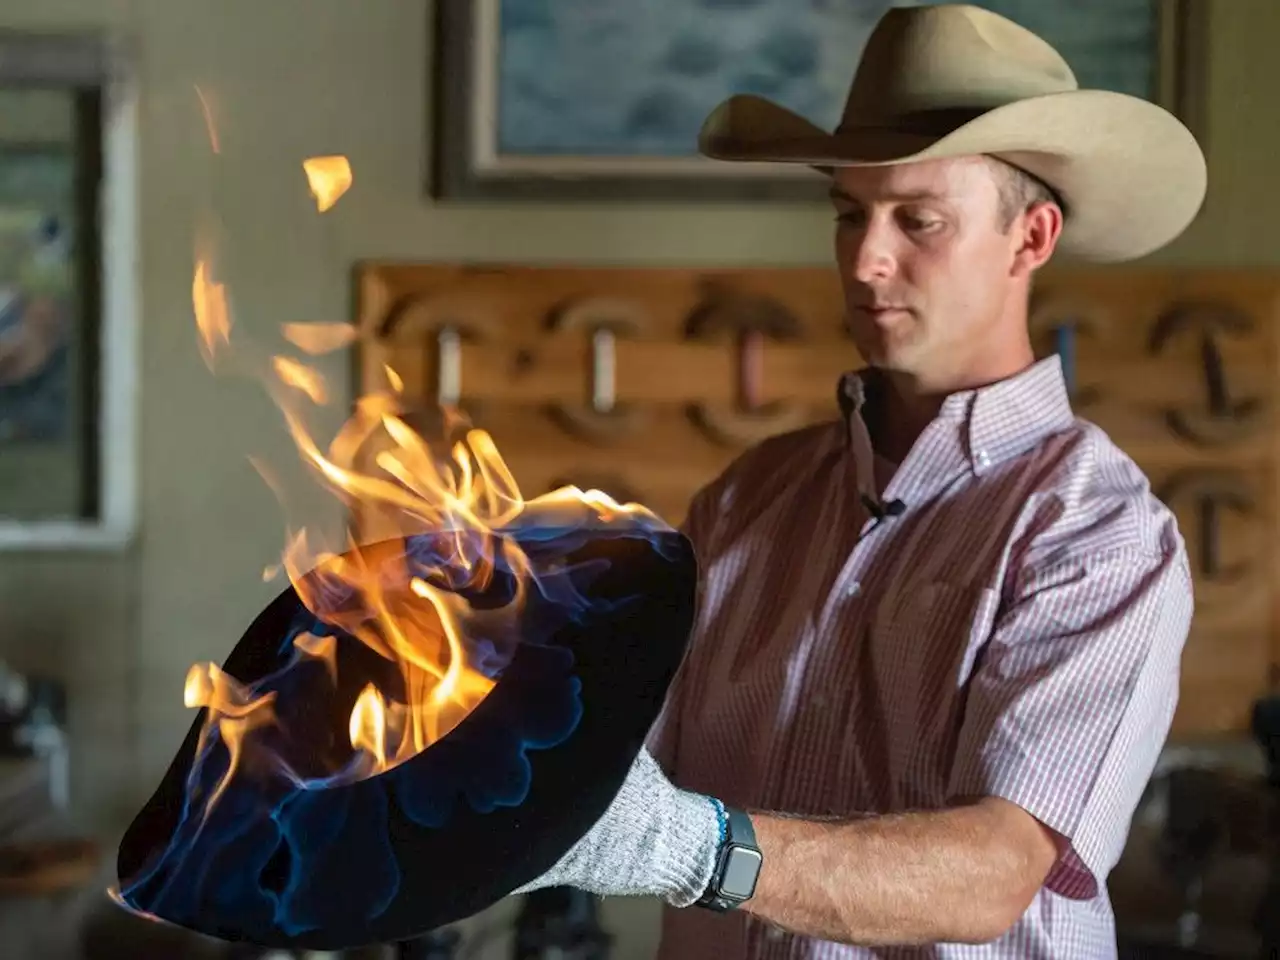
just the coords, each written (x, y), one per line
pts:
(742, 867)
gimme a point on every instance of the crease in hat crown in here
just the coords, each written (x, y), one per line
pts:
(948, 57)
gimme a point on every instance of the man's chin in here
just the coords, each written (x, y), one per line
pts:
(896, 351)
(892, 357)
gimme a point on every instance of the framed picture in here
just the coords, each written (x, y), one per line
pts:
(48, 329)
(603, 99)
(68, 370)
(38, 297)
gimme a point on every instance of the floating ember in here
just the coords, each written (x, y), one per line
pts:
(330, 178)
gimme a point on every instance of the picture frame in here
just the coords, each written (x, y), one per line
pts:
(48, 328)
(521, 119)
(68, 294)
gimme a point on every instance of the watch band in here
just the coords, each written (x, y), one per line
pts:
(738, 862)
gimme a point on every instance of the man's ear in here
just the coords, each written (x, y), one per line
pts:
(1038, 230)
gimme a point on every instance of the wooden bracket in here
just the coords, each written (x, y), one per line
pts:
(1063, 324)
(1224, 419)
(1211, 491)
(444, 329)
(603, 418)
(750, 321)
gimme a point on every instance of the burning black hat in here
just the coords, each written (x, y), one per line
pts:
(345, 784)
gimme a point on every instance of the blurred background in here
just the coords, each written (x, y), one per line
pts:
(485, 164)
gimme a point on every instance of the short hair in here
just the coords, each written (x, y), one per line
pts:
(1020, 190)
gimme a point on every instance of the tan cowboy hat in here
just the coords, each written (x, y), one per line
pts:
(952, 80)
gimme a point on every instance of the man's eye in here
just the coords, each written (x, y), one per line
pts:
(920, 223)
(849, 216)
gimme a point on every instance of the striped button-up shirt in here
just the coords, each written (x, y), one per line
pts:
(1012, 628)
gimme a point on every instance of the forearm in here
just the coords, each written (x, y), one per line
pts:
(949, 876)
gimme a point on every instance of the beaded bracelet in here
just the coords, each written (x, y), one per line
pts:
(722, 819)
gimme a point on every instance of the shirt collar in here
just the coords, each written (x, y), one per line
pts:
(999, 421)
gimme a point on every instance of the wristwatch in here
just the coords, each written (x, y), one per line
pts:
(733, 882)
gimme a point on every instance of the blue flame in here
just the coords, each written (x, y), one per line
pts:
(267, 851)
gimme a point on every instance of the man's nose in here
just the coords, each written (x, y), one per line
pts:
(872, 255)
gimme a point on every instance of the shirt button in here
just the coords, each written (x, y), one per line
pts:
(984, 459)
(855, 588)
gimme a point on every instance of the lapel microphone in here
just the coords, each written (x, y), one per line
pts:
(880, 509)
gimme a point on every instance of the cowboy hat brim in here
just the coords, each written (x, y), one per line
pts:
(484, 810)
(1131, 174)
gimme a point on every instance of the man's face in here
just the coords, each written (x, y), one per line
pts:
(928, 271)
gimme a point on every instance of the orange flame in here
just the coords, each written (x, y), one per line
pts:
(212, 319)
(396, 485)
(369, 724)
(237, 713)
(298, 375)
(210, 127)
(329, 177)
(322, 648)
(394, 380)
(318, 338)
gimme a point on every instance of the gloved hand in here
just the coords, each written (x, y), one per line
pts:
(654, 840)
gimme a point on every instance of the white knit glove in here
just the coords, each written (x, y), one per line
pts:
(654, 840)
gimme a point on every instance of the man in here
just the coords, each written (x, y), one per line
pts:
(938, 645)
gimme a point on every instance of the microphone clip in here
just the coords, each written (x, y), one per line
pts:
(879, 509)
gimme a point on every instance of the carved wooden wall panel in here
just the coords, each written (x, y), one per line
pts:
(646, 382)
(1181, 369)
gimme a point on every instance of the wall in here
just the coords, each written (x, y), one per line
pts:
(293, 78)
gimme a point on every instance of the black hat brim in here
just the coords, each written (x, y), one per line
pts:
(484, 810)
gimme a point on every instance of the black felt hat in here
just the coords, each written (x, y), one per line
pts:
(301, 861)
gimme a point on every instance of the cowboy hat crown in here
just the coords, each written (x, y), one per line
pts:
(941, 58)
(951, 80)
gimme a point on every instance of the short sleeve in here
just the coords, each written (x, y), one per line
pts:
(665, 732)
(1073, 699)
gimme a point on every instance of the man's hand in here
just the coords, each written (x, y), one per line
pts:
(654, 840)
